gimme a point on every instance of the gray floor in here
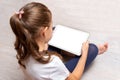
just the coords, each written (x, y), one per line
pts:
(99, 17)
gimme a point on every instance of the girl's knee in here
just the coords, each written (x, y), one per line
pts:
(92, 53)
(93, 49)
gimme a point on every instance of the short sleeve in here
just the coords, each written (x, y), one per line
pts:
(58, 70)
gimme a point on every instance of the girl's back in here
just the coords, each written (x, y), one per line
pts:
(54, 70)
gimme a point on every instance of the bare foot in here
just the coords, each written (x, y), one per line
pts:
(102, 48)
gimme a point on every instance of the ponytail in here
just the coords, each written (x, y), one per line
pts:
(23, 38)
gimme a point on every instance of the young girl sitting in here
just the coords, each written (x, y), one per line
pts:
(32, 26)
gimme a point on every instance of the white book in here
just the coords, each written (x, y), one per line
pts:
(68, 39)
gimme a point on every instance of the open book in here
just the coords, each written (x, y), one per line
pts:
(68, 39)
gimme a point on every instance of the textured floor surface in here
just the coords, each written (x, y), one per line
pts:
(99, 17)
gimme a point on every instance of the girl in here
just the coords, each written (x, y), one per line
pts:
(32, 26)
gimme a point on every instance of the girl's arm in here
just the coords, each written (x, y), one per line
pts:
(78, 71)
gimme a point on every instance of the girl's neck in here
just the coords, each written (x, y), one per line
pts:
(42, 46)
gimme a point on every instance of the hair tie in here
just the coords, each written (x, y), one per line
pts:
(20, 14)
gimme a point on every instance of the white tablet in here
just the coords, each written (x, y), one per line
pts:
(68, 39)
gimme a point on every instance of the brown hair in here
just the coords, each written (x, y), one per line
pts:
(26, 28)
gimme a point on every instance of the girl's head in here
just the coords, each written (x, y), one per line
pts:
(31, 24)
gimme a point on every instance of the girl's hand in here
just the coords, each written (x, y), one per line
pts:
(85, 47)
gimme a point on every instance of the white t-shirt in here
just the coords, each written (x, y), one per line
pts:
(54, 70)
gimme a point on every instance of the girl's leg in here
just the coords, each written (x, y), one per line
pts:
(92, 53)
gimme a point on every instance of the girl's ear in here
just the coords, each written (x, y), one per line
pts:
(43, 31)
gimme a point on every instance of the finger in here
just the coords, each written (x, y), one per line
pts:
(87, 42)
